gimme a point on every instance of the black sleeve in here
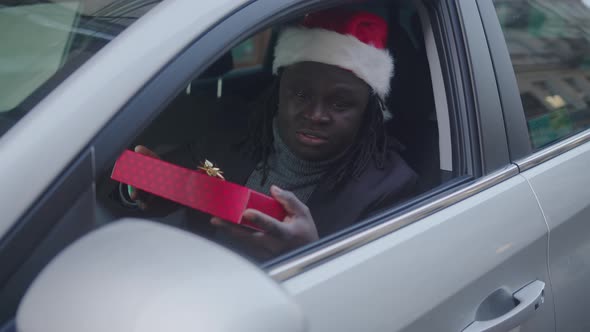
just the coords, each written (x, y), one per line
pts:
(403, 187)
(407, 191)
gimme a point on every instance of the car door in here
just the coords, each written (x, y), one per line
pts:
(550, 112)
(461, 261)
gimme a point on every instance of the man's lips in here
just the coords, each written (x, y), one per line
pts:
(310, 138)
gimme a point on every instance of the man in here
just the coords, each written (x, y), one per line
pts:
(318, 144)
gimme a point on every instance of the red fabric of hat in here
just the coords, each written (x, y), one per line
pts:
(366, 27)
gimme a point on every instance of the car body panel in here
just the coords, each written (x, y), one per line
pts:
(562, 186)
(557, 173)
(433, 274)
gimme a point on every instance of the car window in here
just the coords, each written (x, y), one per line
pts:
(549, 44)
(252, 52)
(44, 41)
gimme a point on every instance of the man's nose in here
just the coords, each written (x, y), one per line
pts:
(317, 113)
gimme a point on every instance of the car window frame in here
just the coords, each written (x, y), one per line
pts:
(484, 167)
(491, 133)
(512, 109)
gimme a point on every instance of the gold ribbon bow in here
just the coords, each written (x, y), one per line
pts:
(211, 170)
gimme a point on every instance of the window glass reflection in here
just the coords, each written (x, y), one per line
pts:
(549, 45)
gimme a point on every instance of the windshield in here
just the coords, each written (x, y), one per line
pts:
(45, 41)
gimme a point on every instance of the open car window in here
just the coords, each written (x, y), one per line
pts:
(252, 52)
(228, 121)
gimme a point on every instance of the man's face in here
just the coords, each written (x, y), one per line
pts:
(321, 108)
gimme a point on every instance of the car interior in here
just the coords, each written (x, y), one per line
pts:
(239, 76)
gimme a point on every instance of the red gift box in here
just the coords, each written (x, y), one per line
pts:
(194, 189)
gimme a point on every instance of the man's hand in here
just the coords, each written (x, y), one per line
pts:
(142, 199)
(296, 230)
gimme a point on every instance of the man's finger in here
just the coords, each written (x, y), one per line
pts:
(141, 205)
(132, 193)
(289, 201)
(145, 151)
(265, 222)
(231, 228)
(261, 245)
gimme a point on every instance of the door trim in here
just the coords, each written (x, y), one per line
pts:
(553, 151)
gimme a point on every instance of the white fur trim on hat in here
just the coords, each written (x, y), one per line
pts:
(372, 65)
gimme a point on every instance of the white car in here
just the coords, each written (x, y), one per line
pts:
(491, 99)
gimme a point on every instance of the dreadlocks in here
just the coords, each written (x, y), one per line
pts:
(371, 145)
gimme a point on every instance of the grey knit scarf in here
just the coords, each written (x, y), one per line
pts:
(289, 172)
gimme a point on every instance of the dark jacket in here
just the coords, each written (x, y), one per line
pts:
(332, 210)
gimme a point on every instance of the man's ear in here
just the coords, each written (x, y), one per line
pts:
(277, 85)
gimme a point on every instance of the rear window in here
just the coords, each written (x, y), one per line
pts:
(549, 45)
(43, 42)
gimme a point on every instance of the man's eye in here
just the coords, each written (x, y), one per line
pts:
(341, 105)
(300, 95)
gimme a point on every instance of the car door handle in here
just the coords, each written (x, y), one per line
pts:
(529, 299)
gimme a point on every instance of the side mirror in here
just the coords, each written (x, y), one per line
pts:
(135, 275)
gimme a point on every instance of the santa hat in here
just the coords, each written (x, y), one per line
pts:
(353, 40)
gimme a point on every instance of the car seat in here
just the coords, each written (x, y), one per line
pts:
(179, 122)
(411, 102)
